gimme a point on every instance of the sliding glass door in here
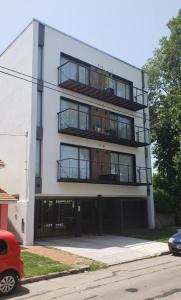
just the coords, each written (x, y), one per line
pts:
(74, 115)
(122, 126)
(123, 166)
(75, 162)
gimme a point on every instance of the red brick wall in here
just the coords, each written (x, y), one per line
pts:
(3, 216)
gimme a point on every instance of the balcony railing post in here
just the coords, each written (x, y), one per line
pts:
(128, 174)
(88, 74)
(126, 131)
(58, 75)
(137, 135)
(139, 175)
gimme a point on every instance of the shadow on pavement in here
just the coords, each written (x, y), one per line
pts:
(20, 291)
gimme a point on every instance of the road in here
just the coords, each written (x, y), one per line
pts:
(149, 279)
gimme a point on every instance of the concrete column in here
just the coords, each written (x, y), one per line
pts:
(78, 229)
(99, 216)
(150, 208)
(150, 200)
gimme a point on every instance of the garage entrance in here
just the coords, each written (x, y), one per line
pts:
(95, 216)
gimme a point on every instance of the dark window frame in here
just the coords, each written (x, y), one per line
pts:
(78, 63)
(89, 113)
(90, 158)
(134, 162)
(78, 103)
(132, 122)
(40, 62)
(88, 65)
(41, 109)
(83, 147)
(40, 157)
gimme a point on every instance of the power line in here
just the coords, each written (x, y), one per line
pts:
(41, 83)
(9, 134)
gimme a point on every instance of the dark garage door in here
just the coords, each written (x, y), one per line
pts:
(106, 216)
(134, 213)
(53, 217)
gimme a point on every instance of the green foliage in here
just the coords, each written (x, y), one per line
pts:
(164, 71)
(96, 265)
(157, 235)
(163, 201)
(35, 265)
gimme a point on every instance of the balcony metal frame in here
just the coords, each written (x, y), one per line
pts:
(140, 175)
(104, 132)
(138, 97)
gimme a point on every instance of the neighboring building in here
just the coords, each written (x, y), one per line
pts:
(2, 164)
(80, 163)
(5, 200)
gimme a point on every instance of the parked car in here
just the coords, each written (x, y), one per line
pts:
(174, 243)
(11, 266)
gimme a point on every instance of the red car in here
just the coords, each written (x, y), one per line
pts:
(11, 266)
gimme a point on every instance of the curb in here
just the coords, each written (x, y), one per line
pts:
(55, 275)
(137, 259)
(84, 269)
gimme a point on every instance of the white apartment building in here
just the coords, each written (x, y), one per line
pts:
(75, 138)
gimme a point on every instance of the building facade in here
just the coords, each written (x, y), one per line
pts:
(79, 154)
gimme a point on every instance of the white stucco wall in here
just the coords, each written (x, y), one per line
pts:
(16, 119)
(56, 42)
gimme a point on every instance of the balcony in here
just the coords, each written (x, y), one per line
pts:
(102, 85)
(108, 129)
(79, 170)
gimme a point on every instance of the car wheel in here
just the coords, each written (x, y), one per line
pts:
(8, 282)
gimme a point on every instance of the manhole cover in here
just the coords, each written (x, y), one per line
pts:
(132, 290)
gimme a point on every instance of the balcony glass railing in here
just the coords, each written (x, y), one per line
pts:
(101, 125)
(100, 80)
(95, 171)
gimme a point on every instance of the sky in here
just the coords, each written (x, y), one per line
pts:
(127, 29)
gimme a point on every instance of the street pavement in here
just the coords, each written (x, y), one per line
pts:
(148, 279)
(108, 249)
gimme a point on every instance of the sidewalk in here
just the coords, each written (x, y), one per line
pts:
(108, 249)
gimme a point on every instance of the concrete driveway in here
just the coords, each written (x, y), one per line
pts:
(108, 249)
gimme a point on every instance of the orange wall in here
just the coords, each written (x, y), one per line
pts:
(3, 216)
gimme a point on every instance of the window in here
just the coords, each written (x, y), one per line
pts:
(3, 247)
(122, 165)
(39, 109)
(74, 115)
(75, 162)
(38, 158)
(112, 84)
(121, 126)
(70, 69)
(83, 74)
(40, 62)
(123, 90)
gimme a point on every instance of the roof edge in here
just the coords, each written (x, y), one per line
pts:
(76, 39)
(14, 40)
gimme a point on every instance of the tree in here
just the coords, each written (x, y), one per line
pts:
(164, 71)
